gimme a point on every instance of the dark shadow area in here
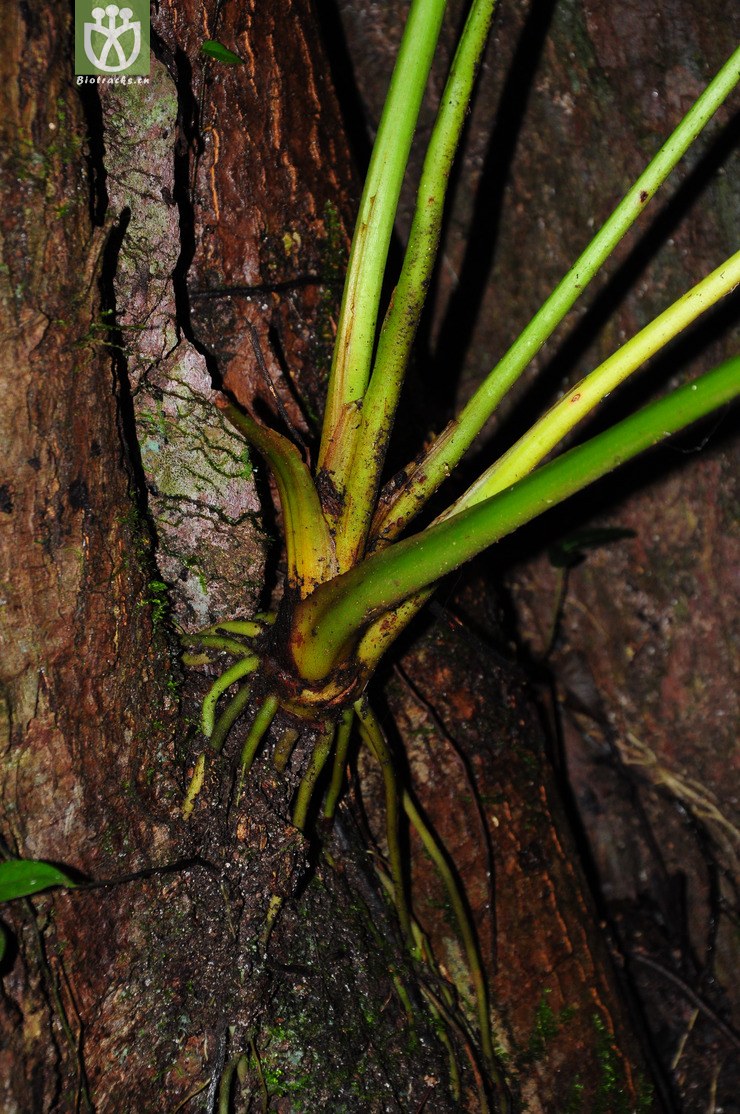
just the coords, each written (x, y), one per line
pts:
(94, 154)
(342, 72)
(115, 339)
(187, 151)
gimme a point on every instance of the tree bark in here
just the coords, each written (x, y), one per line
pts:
(87, 710)
(210, 208)
(137, 995)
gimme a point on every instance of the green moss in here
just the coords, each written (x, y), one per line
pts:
(547, 1025)
(326, 1044)
(574, 1101)
(158, 599)
(612, 1095)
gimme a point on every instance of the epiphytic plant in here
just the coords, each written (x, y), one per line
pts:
(355, 575)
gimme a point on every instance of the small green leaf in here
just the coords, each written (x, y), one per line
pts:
(3, 942)
(221, 53)
(569, 552)
(20, 877)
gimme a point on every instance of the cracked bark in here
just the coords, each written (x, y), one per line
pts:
(160, 979)
(135, 996)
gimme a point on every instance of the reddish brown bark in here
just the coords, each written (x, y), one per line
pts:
(160, 980)
(86, 708)
(124, 998)
(478, 762)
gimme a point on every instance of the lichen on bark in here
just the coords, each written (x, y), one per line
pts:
(200, 491)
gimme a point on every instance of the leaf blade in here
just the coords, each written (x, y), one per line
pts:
(221, 53)
(22, 877)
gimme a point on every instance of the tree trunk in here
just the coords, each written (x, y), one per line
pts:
(205, 220)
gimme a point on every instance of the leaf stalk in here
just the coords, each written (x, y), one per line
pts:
(329, 622)
(397, 510)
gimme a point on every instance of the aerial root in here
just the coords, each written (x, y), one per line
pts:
(250, 628)
(195, 786)
(233, 637)
(319, 756)
(375, 741)
(284, 747)
(464, 923)
(216, 642)
(260, 726)
(229, 677)
(344, 734)
(229, 716)
(373, 736)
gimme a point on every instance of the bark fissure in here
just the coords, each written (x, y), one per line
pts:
(229, 214)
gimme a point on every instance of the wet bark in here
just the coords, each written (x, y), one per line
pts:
(644, 669)
(207, 211)
(88, 720)
(138, 995)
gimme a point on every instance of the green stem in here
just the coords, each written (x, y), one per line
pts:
(402, 318)
(383, 631)
(454, 441)
(358, 316)
(328, 623)
(580, 400)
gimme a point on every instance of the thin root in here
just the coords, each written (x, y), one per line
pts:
(195, 786)
(257, 732)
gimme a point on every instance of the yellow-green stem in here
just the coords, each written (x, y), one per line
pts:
(423, 479)
(355, 341)
(581, 399)
(399, 329)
